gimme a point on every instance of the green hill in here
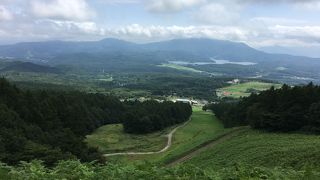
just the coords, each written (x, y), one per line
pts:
(29, 67)
(257, 148)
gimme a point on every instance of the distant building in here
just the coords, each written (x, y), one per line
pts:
(187, 101)
(193, 102)
(235, 81)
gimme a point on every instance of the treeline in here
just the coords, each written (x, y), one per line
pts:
(51, 126)
(286, 109)
(150, 116)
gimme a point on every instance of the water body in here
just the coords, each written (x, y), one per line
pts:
(213, 61)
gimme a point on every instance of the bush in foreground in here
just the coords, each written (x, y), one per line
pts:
(90, 171)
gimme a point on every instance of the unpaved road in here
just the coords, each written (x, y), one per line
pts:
(205, 146)
(169, 143)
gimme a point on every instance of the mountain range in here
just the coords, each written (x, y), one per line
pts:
(115, 54)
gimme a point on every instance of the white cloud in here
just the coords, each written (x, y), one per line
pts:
(5, 15)
(163, 6)
(77, 10)
(138, 32)
(276, 21)
(119, 1)
(76, 27)
(304, 33)
(217, 13)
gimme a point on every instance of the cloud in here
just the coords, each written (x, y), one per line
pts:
(304, 33)
(165, 6)
(119, 1)
(5, 15)
(276, 1)
(276, 21)
(77, 10)
(309, 6)
(70, 27)
(138, 32)
(217, 13)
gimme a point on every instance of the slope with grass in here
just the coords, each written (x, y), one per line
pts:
(203, 127)
(256, 148)
(244, 89)
(112, 139)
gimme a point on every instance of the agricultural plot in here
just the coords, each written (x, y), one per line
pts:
(180, 67)
(256, 148)
(244, 89)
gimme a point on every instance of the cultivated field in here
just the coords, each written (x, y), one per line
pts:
(180, 67)
(256, 148)
(244, 89)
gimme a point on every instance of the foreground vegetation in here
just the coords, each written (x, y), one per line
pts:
(91, 171)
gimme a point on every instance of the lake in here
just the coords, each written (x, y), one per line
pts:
(213, 61)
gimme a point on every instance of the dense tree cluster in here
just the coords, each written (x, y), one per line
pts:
(149, 116)
(286, 109)
(51, 126)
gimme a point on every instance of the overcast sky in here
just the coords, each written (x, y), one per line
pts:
(259, 23)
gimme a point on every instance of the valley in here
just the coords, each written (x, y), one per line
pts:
(158, 110)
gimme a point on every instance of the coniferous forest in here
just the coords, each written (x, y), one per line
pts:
(51, 126)
(284, 110)
(153, 116)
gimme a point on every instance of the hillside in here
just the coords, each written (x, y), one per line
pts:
(202, 127)
(256, 148)
(29, 67)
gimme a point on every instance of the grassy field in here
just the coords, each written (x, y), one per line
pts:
(111, 138)
(181, 68)
(244, 89)
(202, 128)
(262, 149)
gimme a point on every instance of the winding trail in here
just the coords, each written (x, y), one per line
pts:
(206, 145)
(169, 143)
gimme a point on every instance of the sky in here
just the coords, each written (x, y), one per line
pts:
(282, 24)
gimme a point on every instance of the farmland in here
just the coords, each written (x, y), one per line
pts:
(257, 148)
(180, 67)
(244, 89)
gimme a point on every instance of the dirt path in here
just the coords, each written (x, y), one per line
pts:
(169, 143)
(205, 146)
